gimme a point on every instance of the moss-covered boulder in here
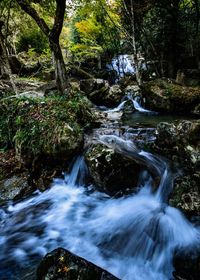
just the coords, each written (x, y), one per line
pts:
(61, 264)
(111, 172)
(165, 96)
(44, 133)
(50, 127)
(186, 194)
(180, 142)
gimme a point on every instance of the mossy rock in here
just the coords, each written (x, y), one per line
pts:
(51, 127)
(15, 187)
(61, 264)
(186, 194)
(111, 172)
(165, 96)
(180, 142)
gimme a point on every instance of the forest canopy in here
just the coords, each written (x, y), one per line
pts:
(164, 32)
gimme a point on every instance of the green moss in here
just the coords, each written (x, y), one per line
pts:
(43, 126)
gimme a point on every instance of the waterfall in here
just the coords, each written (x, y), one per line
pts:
(133, 237)
(122, 64)
(136, 101)
(137, 104)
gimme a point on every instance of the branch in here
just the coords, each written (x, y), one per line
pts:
(27, 8)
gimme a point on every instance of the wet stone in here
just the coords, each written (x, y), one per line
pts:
(14, 187)
(61, 264)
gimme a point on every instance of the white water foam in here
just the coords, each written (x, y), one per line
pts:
(132, 237)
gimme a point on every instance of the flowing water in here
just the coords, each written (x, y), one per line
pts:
(136, 101)
(124, 64)
(134, 237)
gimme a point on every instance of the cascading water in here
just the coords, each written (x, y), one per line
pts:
(137, 104)
(122, 64)
(136, 101)
(133, 237)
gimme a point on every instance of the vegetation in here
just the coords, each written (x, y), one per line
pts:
(163, 32)
(36, 127)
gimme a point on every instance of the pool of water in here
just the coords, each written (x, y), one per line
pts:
(151, 120)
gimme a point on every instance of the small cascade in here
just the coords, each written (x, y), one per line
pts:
(137, 104)
(136, 101)
(133, 237)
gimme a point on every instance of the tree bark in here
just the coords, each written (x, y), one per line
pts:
(4, 62)
(59, 65)
(135, 53)
(172, 38)
(53, 37)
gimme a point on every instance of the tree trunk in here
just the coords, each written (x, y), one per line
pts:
(135, 53)
(172, 38)
(53, 35)
(4, 62)
(59, 65)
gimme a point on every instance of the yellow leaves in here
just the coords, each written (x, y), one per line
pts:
(63, 269)
(62, 259)
(66, 269)
(88, 28)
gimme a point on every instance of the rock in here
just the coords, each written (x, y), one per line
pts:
(14, 187)
(132, 89)
(8, 164)
(115, 95)
(186, 194)
(44, 133)
(188, 77)
(164, 96)
(111, 172)
(90, 85)
(187, 267)
(99, 92)
(133, 92)
(61, 264)
(196, 110)
(180, 142)
(48, 87)
(15, 64)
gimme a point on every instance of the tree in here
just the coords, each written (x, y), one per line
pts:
(52, 33)
(4, 62)
(93, 30)
(131, 13)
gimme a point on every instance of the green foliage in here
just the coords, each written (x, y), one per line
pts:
(32, 39)
(94, 30)
(35, 126)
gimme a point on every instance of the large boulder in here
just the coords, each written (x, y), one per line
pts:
(165, 96)
(44, 133)
(186, 194)
(90, 85)
(61, 264)
(99, 92)
(111, 172)
(188, 77)
(180, 142)
(44, 127)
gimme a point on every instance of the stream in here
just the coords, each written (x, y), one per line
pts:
(134, 237)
